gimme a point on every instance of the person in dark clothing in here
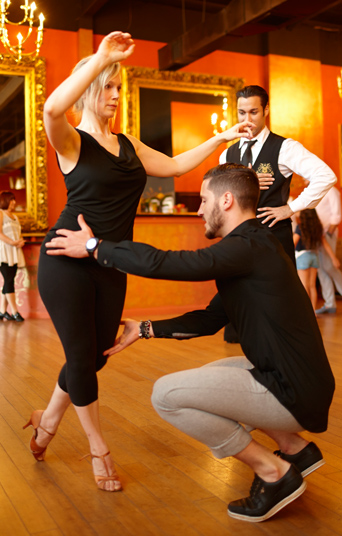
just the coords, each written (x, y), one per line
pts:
(275, 159)
(284, 384)
(105, 174)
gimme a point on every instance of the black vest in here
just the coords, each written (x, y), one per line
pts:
(267, 162)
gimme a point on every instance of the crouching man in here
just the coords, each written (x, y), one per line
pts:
(283, 386)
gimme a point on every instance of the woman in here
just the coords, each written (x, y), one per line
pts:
(105, 175)
(11, 255)
(307, 238)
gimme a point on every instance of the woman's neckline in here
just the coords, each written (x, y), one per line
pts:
(102, 146)
(10, 215)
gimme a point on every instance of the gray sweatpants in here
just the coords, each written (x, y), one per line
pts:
(210, 403)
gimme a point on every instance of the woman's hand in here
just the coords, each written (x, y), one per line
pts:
(19, 243)
(240, 130)
(116, 46)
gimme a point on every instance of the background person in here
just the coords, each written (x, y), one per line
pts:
(105, 175)
(284, 384)
(330, 277)
(11, 255)
(308, 238)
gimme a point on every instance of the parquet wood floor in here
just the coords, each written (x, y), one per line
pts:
(172, 484)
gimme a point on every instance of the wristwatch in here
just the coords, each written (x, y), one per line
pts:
(92, 245)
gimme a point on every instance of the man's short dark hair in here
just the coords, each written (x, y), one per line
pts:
(241, 181)
(254, 91)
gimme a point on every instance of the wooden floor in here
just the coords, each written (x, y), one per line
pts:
(172, 484)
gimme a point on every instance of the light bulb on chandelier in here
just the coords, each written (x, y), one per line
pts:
(17, 50)
(220, 123)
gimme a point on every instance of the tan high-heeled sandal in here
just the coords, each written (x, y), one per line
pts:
(100, 479)
(35, 419)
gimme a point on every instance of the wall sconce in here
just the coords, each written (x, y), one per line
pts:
(339, 84)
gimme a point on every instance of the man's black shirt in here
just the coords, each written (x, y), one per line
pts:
(260, 293)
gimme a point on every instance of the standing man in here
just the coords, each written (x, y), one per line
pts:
(329, 212)
(275, 159)
(283, 386)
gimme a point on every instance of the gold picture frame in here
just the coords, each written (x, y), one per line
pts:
(35, 218)
(134, 78)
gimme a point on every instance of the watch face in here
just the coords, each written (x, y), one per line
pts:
(91, 244)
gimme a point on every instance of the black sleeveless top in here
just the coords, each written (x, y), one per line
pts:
(105, 188)
(267, 162)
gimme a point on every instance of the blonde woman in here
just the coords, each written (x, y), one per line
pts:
(105, 175)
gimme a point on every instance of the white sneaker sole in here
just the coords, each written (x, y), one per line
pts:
(274, 510)
(313, 468)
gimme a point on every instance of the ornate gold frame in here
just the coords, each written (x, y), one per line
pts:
(35, 218)
(133, 78)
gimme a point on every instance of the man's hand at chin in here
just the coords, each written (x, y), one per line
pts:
(71, 243)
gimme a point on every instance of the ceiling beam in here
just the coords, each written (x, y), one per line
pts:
(90, 7)
(88, 11)
(202, 38)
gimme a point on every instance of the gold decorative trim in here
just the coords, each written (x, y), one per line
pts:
(33, 69)
(133, 78)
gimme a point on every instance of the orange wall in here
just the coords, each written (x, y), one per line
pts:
(61, 53)
(332, 114)
(296, 100)
(191, 126)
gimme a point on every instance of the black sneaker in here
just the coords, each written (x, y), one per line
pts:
(306, 460)
(267, 498)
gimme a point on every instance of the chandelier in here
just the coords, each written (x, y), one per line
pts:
(339, 84)
(220, 123)
(17, 50)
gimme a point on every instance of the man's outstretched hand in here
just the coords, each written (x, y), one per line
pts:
(129, 335)
(71, 243)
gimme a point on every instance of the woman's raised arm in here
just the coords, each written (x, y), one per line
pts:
(113, 48)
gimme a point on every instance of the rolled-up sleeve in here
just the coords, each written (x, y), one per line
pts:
(293, 157)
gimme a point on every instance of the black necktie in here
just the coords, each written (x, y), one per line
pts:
(247, 155)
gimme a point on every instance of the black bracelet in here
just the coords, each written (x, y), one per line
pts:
(144, 329)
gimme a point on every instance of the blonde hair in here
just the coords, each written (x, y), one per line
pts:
(95, 88)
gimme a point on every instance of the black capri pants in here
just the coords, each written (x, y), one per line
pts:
(85, 302)
(8, 273)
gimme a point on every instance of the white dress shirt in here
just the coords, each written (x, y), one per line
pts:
(294, 158)
(329, 209)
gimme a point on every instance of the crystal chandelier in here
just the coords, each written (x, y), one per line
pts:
(17, 50)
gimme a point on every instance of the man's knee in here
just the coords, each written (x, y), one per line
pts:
(161, 390)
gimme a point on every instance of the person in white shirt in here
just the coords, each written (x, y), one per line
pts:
(275, 159)
(330, 214)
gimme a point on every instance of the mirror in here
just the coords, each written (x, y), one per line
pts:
(23, 140)
(171, 112)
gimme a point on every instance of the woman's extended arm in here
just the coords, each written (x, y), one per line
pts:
(328, 249)
(160, 165)
(296, 238)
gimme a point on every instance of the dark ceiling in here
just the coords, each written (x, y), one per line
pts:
(193, 28)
